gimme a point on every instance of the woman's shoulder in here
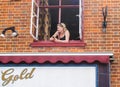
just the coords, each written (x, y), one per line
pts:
(67, 31)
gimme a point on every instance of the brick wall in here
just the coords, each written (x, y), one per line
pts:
(17, 13)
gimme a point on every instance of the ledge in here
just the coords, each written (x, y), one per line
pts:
(72, 43)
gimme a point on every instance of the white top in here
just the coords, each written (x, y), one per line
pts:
(59, 54)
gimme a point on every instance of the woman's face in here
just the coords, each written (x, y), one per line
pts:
(59, 29)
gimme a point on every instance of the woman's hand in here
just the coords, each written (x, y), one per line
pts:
(54, 36)
(61, 41)
(56, 40)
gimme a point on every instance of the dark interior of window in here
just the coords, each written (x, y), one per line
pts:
(69, 16)
(70, 2)
(54, 20)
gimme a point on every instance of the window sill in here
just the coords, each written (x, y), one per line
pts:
(72, 43)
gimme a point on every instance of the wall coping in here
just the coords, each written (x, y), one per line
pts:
(58, 54)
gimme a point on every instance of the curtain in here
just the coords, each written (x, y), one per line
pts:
(44, 21)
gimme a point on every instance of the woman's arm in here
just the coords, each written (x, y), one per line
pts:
(54, 36)
(67, 36)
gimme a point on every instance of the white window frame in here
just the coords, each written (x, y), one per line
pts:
(80, 19)
(33, 14)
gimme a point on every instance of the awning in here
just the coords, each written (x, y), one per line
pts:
(55, 57)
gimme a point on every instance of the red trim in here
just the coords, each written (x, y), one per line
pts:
(54, 59)
(73, 43)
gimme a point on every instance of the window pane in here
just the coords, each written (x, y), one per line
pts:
(53, 2)
(54, 20)
(70, 18)
(70, 2)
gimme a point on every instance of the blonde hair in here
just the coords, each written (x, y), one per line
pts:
(62, 25)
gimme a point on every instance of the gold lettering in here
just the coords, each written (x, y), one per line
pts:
(30, 75)
(8, 77)
(15, 78)
(5, 78)
(23, 73)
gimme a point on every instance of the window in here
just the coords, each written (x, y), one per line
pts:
(46, 14)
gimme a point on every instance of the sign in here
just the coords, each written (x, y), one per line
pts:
(48, 76)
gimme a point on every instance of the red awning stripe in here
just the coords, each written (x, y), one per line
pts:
(54, 59)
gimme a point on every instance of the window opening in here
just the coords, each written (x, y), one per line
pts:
(52, 12)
